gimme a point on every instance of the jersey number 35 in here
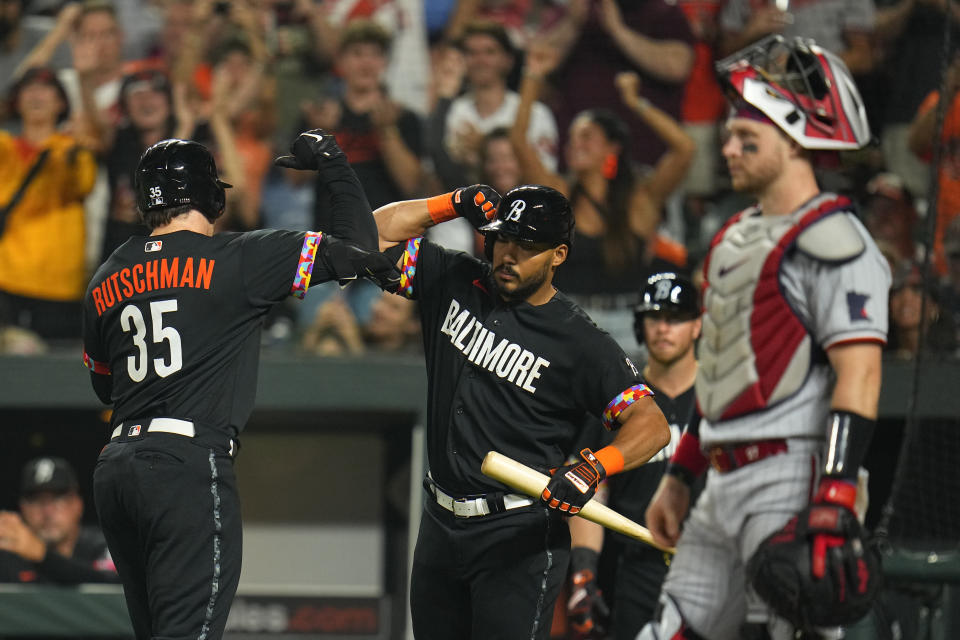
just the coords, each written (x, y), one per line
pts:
(131, 319)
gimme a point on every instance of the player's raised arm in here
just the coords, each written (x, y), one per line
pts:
(348, 217)
(348, 248)
(399, 221)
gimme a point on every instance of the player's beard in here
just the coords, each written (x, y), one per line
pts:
(755, 182)
(670, 359)
(525, 288)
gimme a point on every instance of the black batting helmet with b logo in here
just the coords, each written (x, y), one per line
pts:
(532, 213)
(668, 292)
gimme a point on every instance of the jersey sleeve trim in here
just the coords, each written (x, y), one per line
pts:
(408, 267)
(623, 400)
(308, 254)
(864, 339)
(97, 367)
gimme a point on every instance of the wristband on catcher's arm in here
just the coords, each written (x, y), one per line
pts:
(688, 462)
(848, 438)
(441, 208)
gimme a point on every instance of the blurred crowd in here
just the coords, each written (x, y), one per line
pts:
(613, 102)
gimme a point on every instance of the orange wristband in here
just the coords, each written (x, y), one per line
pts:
(441, 208)
(611, 459)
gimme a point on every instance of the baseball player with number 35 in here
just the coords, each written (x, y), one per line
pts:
(795, 315)
(513, 366)
(172, 339)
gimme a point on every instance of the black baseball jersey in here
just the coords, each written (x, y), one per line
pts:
(175, 320)
(631, 491)
(514, 378)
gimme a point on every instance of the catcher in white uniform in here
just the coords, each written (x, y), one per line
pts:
(795, 316)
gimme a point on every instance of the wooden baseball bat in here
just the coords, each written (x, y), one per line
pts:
(531, 482)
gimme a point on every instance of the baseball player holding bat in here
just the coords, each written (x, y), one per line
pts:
(667, 321)
(513, 366)
(172, 338)
(795, 314)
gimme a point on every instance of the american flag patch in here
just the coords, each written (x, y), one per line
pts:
(153, 245)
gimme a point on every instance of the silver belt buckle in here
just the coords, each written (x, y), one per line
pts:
(465, 507)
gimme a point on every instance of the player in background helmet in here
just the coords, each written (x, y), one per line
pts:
(666, 296)
(514, 366)
(667, 321)
(171, 336)
(794, 318)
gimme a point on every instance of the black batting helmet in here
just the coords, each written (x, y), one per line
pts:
(176, 172)
(668, 292)
(533, 213)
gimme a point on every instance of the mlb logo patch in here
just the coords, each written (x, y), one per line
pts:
(153, 245)
(134, 430)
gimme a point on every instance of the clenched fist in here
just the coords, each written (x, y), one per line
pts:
(310, 149)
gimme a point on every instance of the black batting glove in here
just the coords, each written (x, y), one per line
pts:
(310, 149)
(477, 204)
(347, 262)
(587, 611)
(572, 486)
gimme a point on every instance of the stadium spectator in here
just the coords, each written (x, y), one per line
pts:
(19, 35)
(524, 20)
(617, 211)
(891, 217)
(844, 27)
(499, 165)
(381, 138)
(303, 46)
(96, 44)
(923, 137)
(906, 318)
(44, 176)
(598, 39)
(148, 108)
(910, 37)
(249, 110)
(189, 30)
(458, 124)
(702, 109)
(46, 542)
(393, 327)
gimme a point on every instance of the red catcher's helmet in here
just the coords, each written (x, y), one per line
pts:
(805, 90)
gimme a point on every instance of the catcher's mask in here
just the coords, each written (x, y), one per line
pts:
(802, 88)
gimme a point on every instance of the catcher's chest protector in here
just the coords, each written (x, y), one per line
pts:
(754, 351)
